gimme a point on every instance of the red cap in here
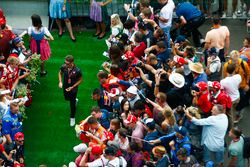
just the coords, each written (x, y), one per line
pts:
(19, 136)
(180, 60)
(131, 119)
(202, 86)
(215, 85)
(13, 55)
(129, 55)
(114, 92)
(109, 135)
(96, 150)
(2, 21)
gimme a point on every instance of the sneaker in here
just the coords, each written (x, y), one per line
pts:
(224, 15)
(72, 122)
(234, 15)
(77, 101)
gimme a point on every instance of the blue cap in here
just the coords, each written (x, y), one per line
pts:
(213, 51)
(16, 40)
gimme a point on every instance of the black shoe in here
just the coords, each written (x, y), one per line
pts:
(96, 35)
(60, 35)
(100, 37)
(43, 73)
(73, 40)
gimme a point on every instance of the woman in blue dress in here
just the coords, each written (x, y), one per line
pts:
(60, 10)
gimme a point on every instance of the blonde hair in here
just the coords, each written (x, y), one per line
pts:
(194, 112)
(168, 114)
(13, 60)
(117, 19)
(234, 53)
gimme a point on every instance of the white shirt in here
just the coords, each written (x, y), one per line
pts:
(213, 131)
(45, 29)
(167, 13)
(231, 86)
(102, 161)
(117, 162)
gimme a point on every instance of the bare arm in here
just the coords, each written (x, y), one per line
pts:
(60, 78)
(232, 161)
(143, 77)
(157, 106)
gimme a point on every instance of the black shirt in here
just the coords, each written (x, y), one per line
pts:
(70, 77)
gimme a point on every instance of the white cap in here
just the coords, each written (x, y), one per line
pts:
(72, 164)
(80, 148)
(132, 90)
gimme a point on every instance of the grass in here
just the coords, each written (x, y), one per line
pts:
(48, 137)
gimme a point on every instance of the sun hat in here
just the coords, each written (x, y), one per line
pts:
(130, 119)
(177, 80)
(159, 150)
(196, 67)
(114, 92)
(80, 148)
(132, 90)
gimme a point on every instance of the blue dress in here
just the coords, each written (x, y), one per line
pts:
(56, 12)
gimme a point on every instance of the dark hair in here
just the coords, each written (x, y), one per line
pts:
(161, 44)
(102, 74)
(122, 104)
(216, 19)
(160, 32)
(230, 68)
(237, 132)
(129, 24)
(110, 151)
(147, 12)
(142, 26)
(115, 70)
(134, 146)
(69, 58)
(190, 51)
(96, 91)
(96, 109)
(139, 105)
(182, 152)
(138, 37)
(36, 21)
(144, 3)
(116, 122)
(115, 53)
(248, 39)
(92, 120)
(122, 132)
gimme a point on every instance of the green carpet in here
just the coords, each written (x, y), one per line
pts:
(48, 137)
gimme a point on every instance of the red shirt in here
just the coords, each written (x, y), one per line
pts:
(2, 148)
(5, 37)
(221, 99)
(139, 50)
(204, 104)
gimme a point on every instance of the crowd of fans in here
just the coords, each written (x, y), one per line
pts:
(160, 103)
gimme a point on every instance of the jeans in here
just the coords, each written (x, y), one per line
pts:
(192, 28)
(167, 34)
(217, 157)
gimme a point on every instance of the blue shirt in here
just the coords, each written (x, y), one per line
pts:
(187, 10)
(150, 136)
(104, 120)
(163, 56)
(11, 125)
(201, 77)
(179, 143)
